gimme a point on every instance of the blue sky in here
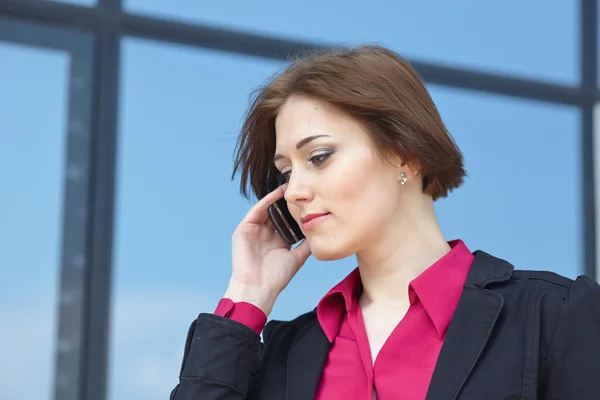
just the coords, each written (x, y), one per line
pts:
(180, 111)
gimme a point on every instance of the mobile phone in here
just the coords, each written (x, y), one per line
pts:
(285, 225)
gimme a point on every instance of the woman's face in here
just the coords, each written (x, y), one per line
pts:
(335, 173)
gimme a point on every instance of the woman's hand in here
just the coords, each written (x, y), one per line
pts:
(262, 263)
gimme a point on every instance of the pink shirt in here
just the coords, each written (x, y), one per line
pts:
(404, 366)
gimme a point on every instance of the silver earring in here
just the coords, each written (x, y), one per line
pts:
(403, 178)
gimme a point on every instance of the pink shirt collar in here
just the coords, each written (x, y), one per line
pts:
(438, 289)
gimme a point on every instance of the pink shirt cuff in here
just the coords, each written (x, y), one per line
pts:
(242, 312)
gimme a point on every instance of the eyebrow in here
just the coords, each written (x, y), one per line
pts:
(301, 143)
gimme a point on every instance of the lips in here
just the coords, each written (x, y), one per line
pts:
(311, 220)
(308, 217)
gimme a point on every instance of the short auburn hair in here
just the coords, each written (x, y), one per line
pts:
(375, 86)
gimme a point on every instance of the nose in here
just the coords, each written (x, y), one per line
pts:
(298, 191)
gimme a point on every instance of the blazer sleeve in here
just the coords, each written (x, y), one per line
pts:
(221, 360)
(572, 370)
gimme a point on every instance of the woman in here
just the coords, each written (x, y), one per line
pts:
(364, 154)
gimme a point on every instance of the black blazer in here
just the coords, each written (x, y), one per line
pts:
(514, 335)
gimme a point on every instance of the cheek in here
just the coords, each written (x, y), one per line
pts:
(361, 198)
(360, 191)
(348, 181)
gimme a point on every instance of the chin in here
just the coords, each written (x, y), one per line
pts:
(325, 250)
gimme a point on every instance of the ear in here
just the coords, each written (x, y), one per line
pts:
(410, 169)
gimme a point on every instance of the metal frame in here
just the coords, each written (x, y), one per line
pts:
(75, 223)
(107, 23)
(590, 95)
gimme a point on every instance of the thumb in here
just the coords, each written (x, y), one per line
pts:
(301, 252)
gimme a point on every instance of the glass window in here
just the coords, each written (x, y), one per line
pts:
(33, 94)
(522, 199)
(536, 39)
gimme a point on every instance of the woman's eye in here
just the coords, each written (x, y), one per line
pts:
(318, 159)
(315, 160)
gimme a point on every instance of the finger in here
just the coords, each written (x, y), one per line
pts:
(258, 213)
(301, 252)
(270, 225)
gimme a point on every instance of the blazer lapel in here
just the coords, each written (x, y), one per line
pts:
(305, 363)
(472, 323)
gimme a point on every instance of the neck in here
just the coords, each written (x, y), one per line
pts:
(412, 244)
